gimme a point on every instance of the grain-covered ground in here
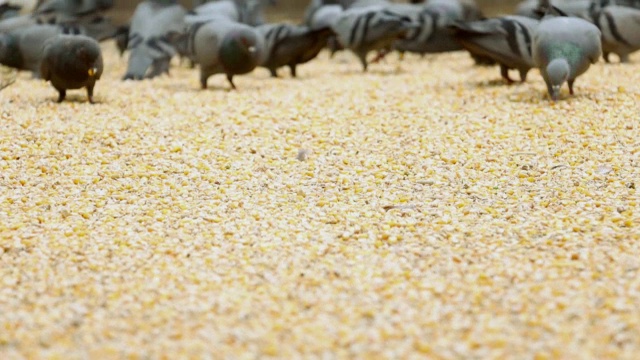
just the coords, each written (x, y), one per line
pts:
(438, 214)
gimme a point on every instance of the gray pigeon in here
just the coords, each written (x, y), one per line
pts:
(620, 26)
(150, 50)
(22, 48)
(563, 49)
(72, 62)
(221, 47)
(372, 28)
(506, 40)
(290, 45)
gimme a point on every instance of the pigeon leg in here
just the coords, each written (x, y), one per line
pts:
(230, 78)
(274, 72)
(90, 94)
(550, 91)
(523, 74)
(381, 54)
(570, 82)
(504, 71)
(363, 61)
(605, 56)
(293, 70)
(203, 80)
(62, 93)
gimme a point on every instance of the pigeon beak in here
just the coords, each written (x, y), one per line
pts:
(252, 49)
(92, 71)
(555, 92)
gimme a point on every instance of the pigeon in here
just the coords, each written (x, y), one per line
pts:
(290, 45)
(373, 28)
(620, 26)
(563, 48)
(150, 50)
(22, 48)
(221, 47)
(72, 62)
(507, 40)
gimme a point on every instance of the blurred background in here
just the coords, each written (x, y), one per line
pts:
(293, 9)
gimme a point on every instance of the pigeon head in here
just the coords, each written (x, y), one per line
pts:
(240, 52)
(558, 72)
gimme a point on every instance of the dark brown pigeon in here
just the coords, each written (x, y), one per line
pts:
(72, 62)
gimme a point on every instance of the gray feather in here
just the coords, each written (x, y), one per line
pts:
(363, 30)
(148, 41)
(506, 40)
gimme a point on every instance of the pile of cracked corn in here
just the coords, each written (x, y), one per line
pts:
(420, 210)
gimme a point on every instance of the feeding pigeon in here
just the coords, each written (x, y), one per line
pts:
(506, 40)
(221, 47)
(563, 49)
(290, 45)
(72, 62)
(372, 28)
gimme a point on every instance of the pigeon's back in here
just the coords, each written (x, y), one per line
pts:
(506, 39)
(208, 38)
